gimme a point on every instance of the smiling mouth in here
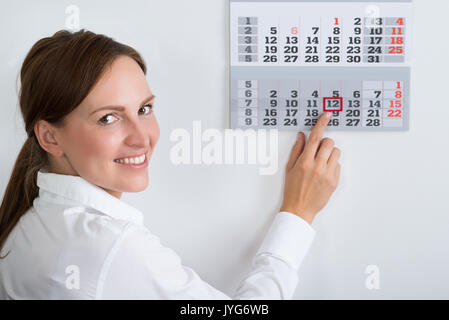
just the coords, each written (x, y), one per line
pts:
(132, 160)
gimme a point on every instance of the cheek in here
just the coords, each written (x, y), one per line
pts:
(154, 131)
(89, 146)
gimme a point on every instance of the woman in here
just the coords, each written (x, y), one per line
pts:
(65, 233)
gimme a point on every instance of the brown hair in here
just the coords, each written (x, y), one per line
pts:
(56, 75)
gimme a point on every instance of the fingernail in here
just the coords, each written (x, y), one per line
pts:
(328, 114)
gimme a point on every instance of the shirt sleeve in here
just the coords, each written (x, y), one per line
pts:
(140, 267)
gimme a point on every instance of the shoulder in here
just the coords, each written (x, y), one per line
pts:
(73, 220)
(66, 248)
(138, 242)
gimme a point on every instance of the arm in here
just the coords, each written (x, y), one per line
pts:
(311, 176)
(140, 267)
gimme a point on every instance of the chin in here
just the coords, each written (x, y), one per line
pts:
(135, 186)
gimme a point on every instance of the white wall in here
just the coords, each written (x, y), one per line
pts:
(391, 208)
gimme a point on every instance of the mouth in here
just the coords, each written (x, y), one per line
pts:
(138, 161)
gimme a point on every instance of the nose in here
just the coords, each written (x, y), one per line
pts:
(137, 136)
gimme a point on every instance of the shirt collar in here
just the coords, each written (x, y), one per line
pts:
(76, 188)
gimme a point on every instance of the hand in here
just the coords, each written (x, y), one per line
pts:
(312, 173)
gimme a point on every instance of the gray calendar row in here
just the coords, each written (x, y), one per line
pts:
(302, 121)
(382, 21)
(393, 113)
(319, 103)
(245, 30)
(366, 59)
(371, 50)
(251, 39)
(324, 88)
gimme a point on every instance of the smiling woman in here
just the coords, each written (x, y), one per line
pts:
(88, 113)
(114, 123)
(65, 79)
(64, 231)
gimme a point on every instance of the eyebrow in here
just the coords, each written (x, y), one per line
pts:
(121, 108)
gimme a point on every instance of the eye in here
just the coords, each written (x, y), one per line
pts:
(105, 119)
(146, 109)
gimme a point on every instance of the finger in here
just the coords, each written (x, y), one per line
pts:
(337, 172)
(334, 157)
(296, 151)
(315, 135)
(324, 151)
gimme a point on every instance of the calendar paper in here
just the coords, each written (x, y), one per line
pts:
(293, 60)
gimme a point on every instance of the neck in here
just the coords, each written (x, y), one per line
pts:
(116, 194)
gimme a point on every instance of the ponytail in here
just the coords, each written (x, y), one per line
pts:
(22, 188)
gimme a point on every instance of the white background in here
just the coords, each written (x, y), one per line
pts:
(390, 210)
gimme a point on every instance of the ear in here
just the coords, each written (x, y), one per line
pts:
(45, 134)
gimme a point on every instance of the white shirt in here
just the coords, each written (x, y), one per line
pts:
(80, 242)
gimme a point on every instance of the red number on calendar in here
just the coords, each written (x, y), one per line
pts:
(400, 21)
(398, 85)
(394, 113)
(336, 22)
(395, 103)
(396, 30)
(398, 94)
(397, 40)
(395, 50)
(294, 30)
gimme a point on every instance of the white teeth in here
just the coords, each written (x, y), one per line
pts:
(135, 160)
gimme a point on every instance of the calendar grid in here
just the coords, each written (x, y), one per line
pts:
(366, 44)
(340, 58)
(372, 94)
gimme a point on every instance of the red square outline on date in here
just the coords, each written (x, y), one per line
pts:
(332, 98)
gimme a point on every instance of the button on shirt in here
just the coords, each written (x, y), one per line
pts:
(79, 242)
